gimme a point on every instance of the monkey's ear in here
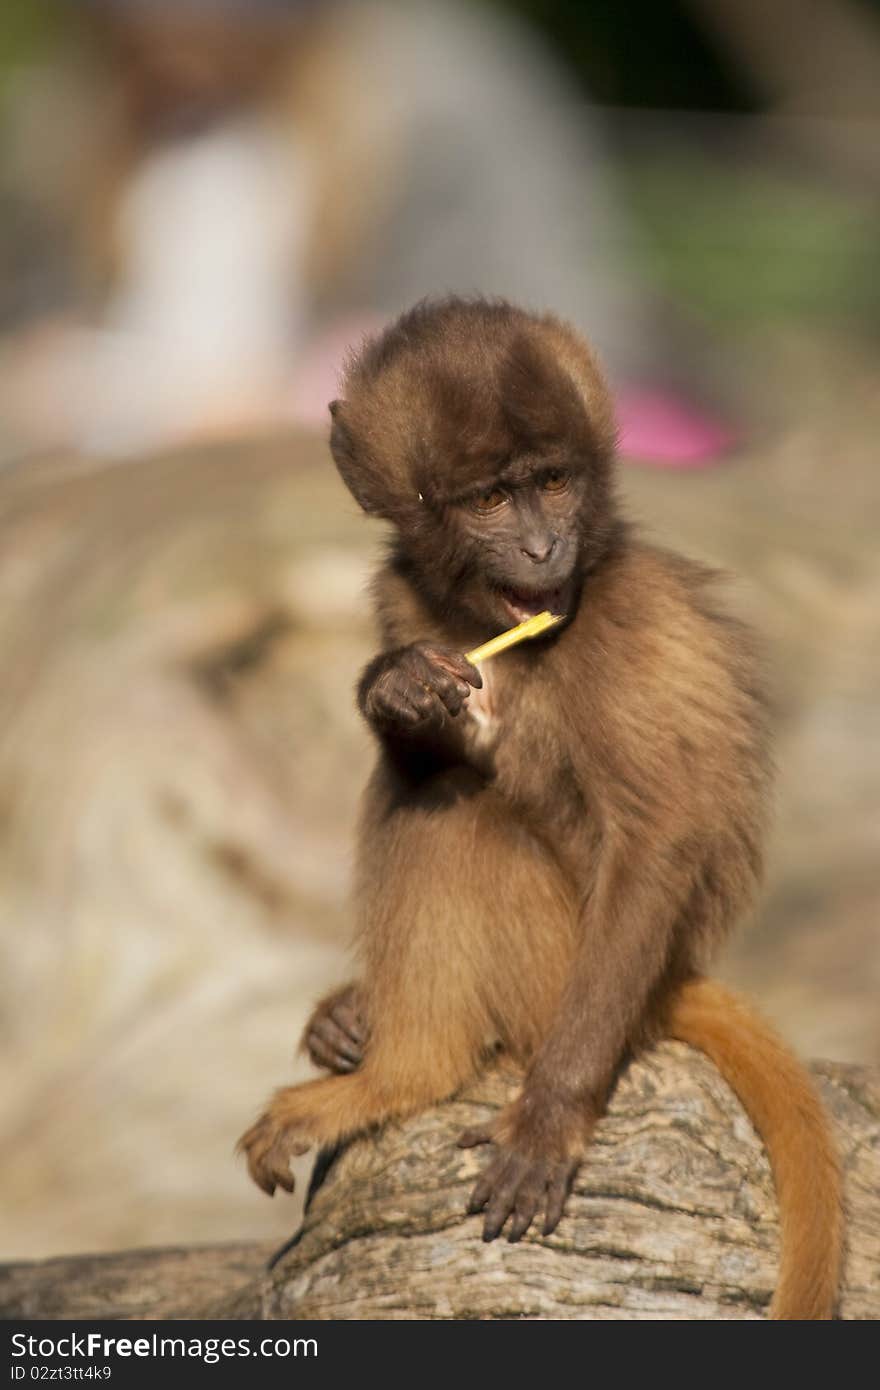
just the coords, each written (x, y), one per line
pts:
(353, 468)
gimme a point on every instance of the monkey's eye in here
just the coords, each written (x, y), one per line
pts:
(490, 501)
(556, 480)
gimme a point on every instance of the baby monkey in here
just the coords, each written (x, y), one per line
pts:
(551, 848)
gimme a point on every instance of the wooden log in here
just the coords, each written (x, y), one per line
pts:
(672, 1216)
(134, 1284)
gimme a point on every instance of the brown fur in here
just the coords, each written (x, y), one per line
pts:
(558, 885)
(790, 1118)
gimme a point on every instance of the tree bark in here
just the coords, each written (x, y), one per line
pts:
(672, 1216)
(134, 1284)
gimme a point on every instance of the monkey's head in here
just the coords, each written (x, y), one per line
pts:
(485, 435)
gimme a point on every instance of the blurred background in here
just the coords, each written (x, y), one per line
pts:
(202, 203)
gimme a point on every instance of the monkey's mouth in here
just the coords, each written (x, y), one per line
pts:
(521, 604)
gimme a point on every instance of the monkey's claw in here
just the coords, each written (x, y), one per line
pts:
(269, 1145)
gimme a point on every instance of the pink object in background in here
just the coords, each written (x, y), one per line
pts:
(316, 382)
(660, 428)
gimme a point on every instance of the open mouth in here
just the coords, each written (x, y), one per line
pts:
(522, 604)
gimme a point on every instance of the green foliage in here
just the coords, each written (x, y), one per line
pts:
(25, 27)
(747, 244)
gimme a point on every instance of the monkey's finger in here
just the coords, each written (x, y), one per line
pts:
(401, 695)
(495, 1173)
(284, 1177)
(263, 1181)
(259, 1174)
(435, 706)
(347, 1016)
(407, 718)
(527, 1203)
(435, 677)
(471, 673)
(278, 1158)
(457, 665)
(444, 699)
(267, 1167)
(468, 672)
(251, 1145)
(327, 1031)
(322, 1055)
(479, 1134)
(557, 1191)
(452, 693)
(413, 708)
(520, 1222)
(503, 1199)
(419, 700)
(485, 1186)
(525, 1207)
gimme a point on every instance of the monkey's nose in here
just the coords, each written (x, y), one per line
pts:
(539, 551)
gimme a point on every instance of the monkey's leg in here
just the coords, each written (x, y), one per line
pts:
(467, 928)
(625, 934)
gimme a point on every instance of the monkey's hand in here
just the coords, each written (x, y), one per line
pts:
(416, 687)
(336, 1034)
(541, 1143)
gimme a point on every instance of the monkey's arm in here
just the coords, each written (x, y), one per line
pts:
(626, 941)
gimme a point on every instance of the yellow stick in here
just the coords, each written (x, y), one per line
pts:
(530, 628)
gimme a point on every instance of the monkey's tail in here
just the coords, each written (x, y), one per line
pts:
(779, 1098)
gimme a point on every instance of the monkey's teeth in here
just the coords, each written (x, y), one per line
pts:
(524, 605)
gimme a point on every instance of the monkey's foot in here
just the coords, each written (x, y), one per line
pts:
(279, 1135)
(336, 1033)
(528, 1175)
